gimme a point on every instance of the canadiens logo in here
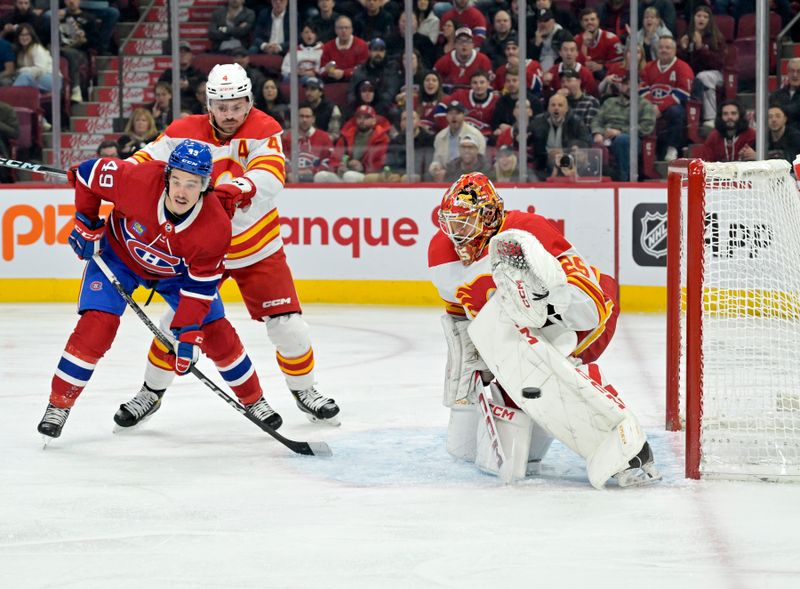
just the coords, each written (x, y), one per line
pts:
(153, 260)
(96, 285)
(660, 91)
(473, 296)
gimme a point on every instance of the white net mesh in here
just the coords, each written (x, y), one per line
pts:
(750, 412)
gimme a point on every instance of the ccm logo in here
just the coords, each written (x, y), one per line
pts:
(276, 303)
(503, 412)
(523, 294)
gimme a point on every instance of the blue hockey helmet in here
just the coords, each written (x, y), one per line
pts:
(193, 157)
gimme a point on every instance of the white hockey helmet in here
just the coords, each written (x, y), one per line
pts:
(227, 81)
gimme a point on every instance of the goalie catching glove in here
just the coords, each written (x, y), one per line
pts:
(237, 193)
(187, 347)
(85, 236)
(527, 276)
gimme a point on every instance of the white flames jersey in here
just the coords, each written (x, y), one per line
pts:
(254, 151)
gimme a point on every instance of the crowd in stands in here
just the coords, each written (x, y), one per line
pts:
(466, 76)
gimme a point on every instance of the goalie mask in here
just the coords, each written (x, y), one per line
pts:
(471, 213)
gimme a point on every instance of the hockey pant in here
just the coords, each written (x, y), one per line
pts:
(568, 403)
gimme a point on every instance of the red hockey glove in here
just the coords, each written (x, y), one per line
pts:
(85, 236)
(187, 347)
(234, 194)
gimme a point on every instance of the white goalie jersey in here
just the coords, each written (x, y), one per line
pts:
(255, 151)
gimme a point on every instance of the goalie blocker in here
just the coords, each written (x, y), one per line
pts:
(550, 313)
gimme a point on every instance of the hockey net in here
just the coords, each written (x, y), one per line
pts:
(733, 315)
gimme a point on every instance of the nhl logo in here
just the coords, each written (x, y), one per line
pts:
(653, 237)
(167, 227)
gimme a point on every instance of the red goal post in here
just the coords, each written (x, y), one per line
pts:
(733, 318)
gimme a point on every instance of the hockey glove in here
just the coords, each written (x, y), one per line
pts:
(235, 194)
(187, 347)
(85, 236)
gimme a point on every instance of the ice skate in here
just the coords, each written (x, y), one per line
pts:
(52, 423)
(641, 471)
(139, 409)
(317, 408)
(264, 413)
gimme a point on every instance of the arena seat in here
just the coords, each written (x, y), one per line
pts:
(747, 25)
(270, 63)
(206, 61)
(726, 25)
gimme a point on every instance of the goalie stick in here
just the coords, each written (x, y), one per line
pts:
(308, 448)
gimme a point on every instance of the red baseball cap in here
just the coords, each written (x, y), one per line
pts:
(365, 109)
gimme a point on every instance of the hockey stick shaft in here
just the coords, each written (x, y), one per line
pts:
(308, 448)
(29, 167)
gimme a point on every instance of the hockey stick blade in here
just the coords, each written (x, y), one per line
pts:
(307, 448)
(29, 167)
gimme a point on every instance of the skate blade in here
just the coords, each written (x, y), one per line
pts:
(333, 421)
(45, 441)
(119, 429)
(638, 478)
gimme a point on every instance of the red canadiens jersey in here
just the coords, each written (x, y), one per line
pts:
(466, 289)
(144, 238)
(314, 151)
(457, 74)
(667, 86)
(346, 58)
(479, 114)
(533, 76)
(254, 151)
(606, 48)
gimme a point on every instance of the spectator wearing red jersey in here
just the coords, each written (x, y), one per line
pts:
(667, 83)
(468, 16)
(703, 48)
(732, 139)
(568, 54)
(430, 95)
(360, 149)
(480, 102)
(456, 67)
(341, 55)
(597, 48)
(314, 147)
(533, 69)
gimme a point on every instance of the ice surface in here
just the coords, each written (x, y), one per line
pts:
(199, 497)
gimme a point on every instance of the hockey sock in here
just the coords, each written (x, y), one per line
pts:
(90, 340)
(290, 336)
(159, 372)
(222, 344)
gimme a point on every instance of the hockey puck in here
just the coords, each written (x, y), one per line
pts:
(531, 392)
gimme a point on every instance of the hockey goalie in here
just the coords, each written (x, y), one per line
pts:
(526, 320)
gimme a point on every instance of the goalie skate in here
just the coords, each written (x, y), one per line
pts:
(139, 409)
(317, 408)
(642, 470)
(52, 423)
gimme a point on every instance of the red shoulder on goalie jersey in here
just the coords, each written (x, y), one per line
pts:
(539, 316)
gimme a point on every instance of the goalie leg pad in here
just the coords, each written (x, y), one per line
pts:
(522, 441)
(571, 407)
(463, 361)
(461, 437)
